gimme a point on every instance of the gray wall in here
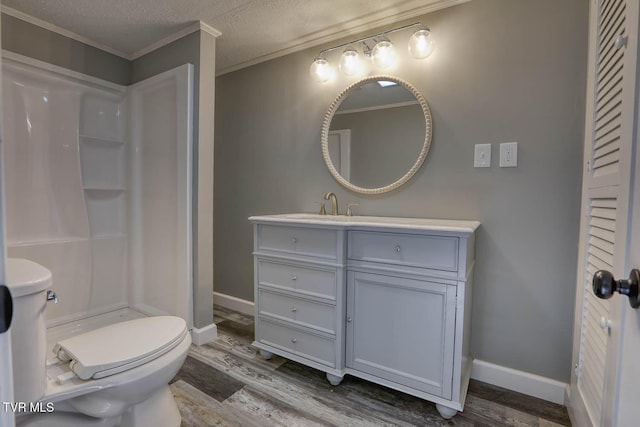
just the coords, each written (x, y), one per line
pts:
(504, 71)
(30, 40)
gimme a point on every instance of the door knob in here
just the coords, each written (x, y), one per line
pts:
(6, 309)
(604, 286)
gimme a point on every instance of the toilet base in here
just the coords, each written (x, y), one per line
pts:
(159, 410)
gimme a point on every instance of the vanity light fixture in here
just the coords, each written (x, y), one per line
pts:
(350, 63)
(383, 54)
(320, 70)
(421, 44)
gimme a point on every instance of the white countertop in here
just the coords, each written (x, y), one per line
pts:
(372, 221)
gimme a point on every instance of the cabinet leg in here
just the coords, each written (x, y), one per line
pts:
(266, 354)
(446, 412)
(333, 379)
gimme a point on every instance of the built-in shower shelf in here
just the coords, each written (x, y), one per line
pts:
(103, 165)
(102, 116)
(88, 139)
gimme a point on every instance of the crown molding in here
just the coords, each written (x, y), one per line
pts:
(338, 31)
(209, 29)
(59, 30)
(196, 26)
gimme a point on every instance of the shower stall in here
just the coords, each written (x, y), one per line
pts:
(98, 187)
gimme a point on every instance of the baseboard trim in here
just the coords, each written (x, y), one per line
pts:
(233, 303)
(200, 336)
(512, 379)
(520, 381)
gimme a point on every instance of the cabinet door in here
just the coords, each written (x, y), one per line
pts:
(402, 330)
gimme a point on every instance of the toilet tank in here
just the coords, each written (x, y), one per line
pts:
(28, 283)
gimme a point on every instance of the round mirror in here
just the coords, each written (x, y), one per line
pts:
(376, 134)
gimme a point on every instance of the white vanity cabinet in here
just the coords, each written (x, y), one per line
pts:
(384, 299)
(402, 331)
(299, 291)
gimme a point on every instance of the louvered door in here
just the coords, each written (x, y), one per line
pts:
(594, 336)
(605, 203)
(604, 165)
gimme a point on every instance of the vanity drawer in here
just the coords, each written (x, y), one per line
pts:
(414, 250)
(302, 312)
(310, 346)
(305, 280)
(298, 240)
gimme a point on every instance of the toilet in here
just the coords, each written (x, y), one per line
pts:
(117, 375)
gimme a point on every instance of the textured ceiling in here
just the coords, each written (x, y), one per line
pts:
(251, 29)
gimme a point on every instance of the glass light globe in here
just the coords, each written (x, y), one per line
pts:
(384, 54)
(350, 63)
(320, 70)
(421, 44)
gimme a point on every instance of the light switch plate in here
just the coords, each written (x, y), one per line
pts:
(508, 154)
(482, 156)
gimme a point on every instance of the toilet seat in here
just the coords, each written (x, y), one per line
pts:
(120, 347)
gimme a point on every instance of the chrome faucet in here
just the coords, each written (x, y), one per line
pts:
(334, 202)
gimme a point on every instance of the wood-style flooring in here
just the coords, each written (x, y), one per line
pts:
(227, 383)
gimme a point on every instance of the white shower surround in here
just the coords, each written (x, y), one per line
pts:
(68, 163)
(160, 196)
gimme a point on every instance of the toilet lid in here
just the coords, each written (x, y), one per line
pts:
(25, 277)
(122, 346)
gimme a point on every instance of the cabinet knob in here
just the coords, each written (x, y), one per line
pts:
(294, 309)
(293, 340)
(398, 248)
(294, 240)
(294, 277)
(349, 319)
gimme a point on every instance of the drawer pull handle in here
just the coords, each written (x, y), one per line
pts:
(294, 309)
(398, 248)
(294, 277)
(293, 340)
(294, 240)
